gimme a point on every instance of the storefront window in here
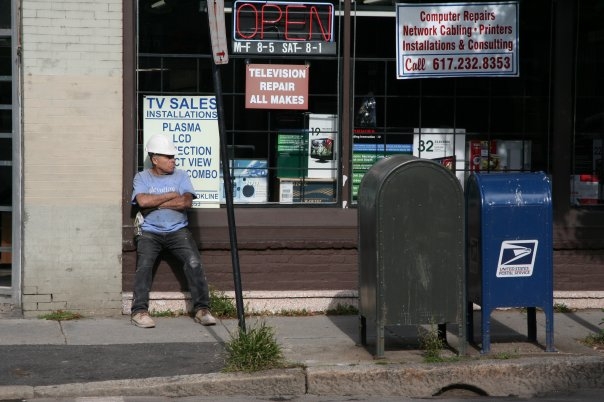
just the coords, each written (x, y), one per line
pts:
(5, 14)
(6, 146)
(587, 175)
(493, 123)
(280, 156)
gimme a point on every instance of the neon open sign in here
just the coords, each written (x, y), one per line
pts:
(281, 27)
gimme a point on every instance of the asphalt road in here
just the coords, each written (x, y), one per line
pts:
(592, 395)
(56, 364)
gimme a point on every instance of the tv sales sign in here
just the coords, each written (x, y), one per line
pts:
(191, 123)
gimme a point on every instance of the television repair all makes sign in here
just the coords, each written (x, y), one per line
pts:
(457, 39)
(276, 86)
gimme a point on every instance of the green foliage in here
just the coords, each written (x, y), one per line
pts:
(561, 308)
(60, 315)
(595, 339)
(221, 305)
(296, 313)
(253, 350)
(504, 356)
(165, 313)
(343, 310)
(431, 344)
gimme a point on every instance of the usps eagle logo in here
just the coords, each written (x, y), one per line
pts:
(517, 258)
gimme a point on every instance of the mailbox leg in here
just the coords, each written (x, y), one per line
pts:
(379, 342)
(363, 330)
(442, 332)
(462, 330)
(549, 328)
(531, 320)
(486, 329)
(470, 322)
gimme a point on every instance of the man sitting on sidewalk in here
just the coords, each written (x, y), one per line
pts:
(164, 193)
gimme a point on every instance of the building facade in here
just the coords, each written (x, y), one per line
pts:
(78, 83)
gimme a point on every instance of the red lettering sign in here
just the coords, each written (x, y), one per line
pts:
(282, 21)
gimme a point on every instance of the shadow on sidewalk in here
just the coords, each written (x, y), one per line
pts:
(61, 364)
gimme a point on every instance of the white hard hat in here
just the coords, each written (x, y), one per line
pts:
(160, 144)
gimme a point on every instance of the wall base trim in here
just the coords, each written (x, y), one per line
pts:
(579, 299)
(255, 301)
(320, 300)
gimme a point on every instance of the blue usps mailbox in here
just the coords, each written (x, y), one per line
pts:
(509, 241)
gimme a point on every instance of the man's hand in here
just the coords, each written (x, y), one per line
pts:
(150, 201)
(179, 203)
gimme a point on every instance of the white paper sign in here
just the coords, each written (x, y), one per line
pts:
(457, 39)
(322, 149)
(444, 145)
(192, 124)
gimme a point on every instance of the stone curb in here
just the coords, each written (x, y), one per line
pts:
(521, 377)
(273, 382)
(8, 392)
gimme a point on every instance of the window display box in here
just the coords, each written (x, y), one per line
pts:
(585, 189)
(250, 181)
(310, 152)
(292, 155)
(322, 146)
(307, 191)
(498, 155)
(5, 237)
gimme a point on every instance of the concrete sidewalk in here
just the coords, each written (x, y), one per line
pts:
(111, 357)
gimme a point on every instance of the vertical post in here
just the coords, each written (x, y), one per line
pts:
(218, 39)
(228, 190)
(562, 96)
(346, 194)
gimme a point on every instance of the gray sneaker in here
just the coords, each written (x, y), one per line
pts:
(142, 320)
(204, 317)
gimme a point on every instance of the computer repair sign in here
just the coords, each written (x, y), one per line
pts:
(517, 258)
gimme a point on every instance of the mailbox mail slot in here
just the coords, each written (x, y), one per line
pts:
(411, 247)
(509, 231)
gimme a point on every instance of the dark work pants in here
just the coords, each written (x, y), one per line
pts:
(182, 245)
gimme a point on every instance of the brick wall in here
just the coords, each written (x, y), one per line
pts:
(267, 270)
(72, 140)
(578, 270)
(302, 274)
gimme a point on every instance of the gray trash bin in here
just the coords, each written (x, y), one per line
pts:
(411, 247)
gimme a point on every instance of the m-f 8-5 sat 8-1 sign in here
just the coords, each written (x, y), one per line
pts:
(283, 28)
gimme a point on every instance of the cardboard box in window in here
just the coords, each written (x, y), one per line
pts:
(307, 191)
(292, 155)
(585, 189)
(250, 181)
(250, 168)
(5, 236)
(322, 146)
(498, 155)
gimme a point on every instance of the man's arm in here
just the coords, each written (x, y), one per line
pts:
(147, 201)
(181, 202)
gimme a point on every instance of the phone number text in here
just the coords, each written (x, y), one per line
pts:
(456, 65)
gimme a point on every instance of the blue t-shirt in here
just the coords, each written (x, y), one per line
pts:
(163, 220)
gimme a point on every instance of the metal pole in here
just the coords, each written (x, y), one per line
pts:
(226, 173)
(228, 190)
(346, 108)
